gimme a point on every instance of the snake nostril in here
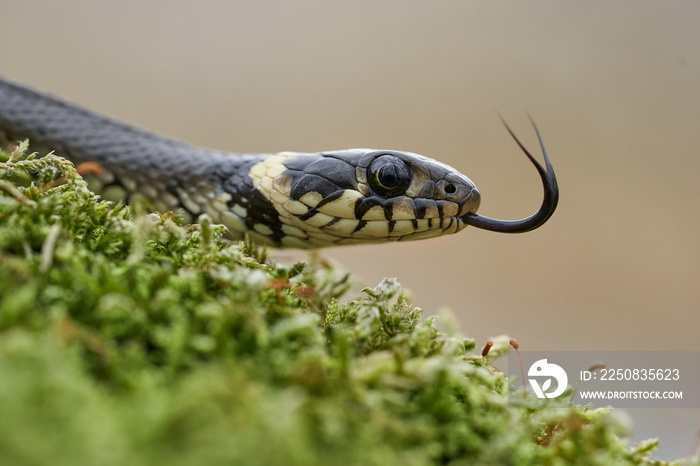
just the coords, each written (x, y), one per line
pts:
(450, 189)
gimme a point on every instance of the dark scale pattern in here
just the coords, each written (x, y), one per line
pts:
(363, 205)
(302, 184)
(350, 156)
(330, 198)
(136, 157)
(327, 174)
(337, 172)
(232, 175)
(440, 207)
(422, 205)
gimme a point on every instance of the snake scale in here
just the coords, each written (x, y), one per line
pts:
(287, 199)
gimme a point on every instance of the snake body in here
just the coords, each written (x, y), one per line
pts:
(287, 199)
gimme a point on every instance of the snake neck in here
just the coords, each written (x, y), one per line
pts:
(172, 175)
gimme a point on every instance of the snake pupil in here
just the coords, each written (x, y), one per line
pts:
(389, 176)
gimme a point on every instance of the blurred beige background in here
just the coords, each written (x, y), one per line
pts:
(613, 86)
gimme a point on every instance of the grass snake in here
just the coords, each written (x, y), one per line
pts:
(287, 199)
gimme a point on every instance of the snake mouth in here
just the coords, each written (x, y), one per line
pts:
(325, 227)
(470, 204)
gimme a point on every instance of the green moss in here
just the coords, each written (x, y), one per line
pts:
(128, 338)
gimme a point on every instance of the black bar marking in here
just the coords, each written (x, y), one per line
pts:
(360, 226)
(329, 198)
(311, 212)
(363, 205)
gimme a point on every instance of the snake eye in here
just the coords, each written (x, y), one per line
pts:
(389, 176)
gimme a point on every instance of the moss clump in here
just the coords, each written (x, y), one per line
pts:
(127, 338)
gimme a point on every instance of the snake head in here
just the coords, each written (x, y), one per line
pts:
(372, 196)
(417, 197)
(363, 196)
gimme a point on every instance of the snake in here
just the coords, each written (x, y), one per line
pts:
(283, 200)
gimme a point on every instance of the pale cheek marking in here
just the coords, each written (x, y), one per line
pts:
(376, 229)
(257, 171)
(265, 185)
(276, 170)
(311, 199)
(267, 168)
(375, 213)
(344, 206)
(343, 227)
(403, 209)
